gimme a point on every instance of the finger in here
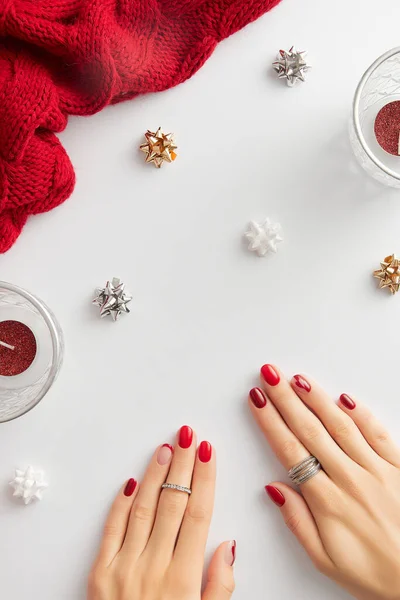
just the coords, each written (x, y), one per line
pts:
(282, 440)
(299, 520)
(144, 509)
(287, 447)
(304, 424)
(220, 579)
(189, 552)
(339, 425)
(173, 503)
(372, 430)
(117, 522)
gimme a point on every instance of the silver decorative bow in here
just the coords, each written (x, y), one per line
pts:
(291, 66)
(113, 299)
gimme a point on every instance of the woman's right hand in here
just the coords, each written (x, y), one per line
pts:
(347, 516)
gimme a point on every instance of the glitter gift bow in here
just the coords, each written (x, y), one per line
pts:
(389, 274)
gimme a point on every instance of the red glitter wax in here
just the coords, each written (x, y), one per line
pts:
(18, 335)
(387, 127)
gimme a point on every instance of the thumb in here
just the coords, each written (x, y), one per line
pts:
(220, 580)
(300, 521)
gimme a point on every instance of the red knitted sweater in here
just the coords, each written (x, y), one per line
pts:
(63, 57)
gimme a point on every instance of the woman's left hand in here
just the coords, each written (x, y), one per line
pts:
(154, 540)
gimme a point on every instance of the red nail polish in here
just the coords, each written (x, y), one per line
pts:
(270, 375)
(347, 402)
(205, 452)
(233, 552)
(168, 446)
(258, 398)
(130, 487)
(276, 496)
(185, 437)
(302, 383)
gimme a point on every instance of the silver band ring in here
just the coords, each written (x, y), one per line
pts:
(305, 470)
(178, 488)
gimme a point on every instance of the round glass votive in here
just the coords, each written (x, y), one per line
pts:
(379, 86)
(31, 351)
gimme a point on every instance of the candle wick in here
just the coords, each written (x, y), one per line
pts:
(7, 345)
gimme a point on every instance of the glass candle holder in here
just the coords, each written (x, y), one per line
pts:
(31, 351)
(379, 86)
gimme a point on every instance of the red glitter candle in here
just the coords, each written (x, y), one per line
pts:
(17, 348)
(387, 128)
(31, 351)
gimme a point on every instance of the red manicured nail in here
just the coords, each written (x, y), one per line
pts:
(233, 552)
(205, 452)
(347, 402)
(302, 383)
(230, 553)
(276, 496)
(185, 437)
(164, 454)
(270, 375)
(130, 487)
(258, 398)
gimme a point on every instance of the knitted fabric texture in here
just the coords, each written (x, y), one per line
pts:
(73, 57)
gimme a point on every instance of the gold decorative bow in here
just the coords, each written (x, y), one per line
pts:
(159, 147)
(389, 274)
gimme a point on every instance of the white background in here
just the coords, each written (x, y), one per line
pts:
(206, 313)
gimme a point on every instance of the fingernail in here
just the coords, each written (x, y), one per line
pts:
(270, 375)
(230, 553)
(258, 398)
(185, 437)
(130, 487)
(302, 383)
(347, 402)
(205, 451)
(276, 495)
(165, 454)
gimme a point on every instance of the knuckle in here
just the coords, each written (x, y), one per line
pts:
(341, 431)
(223, 588)
(111, 530)
(293, 523)
(352, 487)
(290, 448)
(228, 586)
(122, 583)
(206, 477)
(327, 504)
(140, 512)
(197, 514)
(311, 432)
(382, 436)
(326, 501)
(322, 565)
(173, 504)
(97, 579)
(181, 464)
(121, 575)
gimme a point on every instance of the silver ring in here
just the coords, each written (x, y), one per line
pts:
(305, 470)
(179, 488)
